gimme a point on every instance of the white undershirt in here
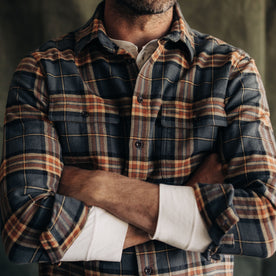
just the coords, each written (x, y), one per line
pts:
(179, 221)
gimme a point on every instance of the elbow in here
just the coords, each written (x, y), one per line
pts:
(269, 232)
(266, 253)
(267, 248)
(15, 256)
(11, 251)
(265, 244)
(15, 253)
(21, 255)
(270, 247)
(17, 261)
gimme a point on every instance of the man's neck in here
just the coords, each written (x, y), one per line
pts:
(140, 29)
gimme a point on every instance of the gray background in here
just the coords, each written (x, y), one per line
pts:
(248, 24)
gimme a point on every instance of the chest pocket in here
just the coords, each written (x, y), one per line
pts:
(187, 137)
(89, 134)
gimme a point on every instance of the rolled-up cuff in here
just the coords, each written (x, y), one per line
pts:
(102, 238)
(179, 222)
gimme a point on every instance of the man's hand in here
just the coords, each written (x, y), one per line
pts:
(211, 171)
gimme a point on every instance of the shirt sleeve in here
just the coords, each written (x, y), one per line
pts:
(178, 214)
(240, 213)
(37, 223)
(102, 239)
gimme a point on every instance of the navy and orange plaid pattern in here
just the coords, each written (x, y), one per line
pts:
(80, 100)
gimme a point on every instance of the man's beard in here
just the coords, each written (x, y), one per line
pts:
(143, 7)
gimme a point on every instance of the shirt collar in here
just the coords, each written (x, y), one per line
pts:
(180, 32)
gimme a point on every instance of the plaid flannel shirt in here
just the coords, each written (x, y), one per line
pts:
(80, 100)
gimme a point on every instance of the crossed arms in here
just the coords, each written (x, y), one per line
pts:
(134, 201)
(39, 224)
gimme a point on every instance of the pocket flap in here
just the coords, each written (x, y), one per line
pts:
(193, 115)
(83, 110)
(83, 117)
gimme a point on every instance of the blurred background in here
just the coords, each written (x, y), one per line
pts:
(248, 24)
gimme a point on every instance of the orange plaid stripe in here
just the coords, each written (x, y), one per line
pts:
(79, 100)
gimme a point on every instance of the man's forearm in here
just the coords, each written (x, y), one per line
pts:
(132, 200)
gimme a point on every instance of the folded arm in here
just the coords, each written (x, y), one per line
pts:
(239, 212)
(37, 223)
(125, 198)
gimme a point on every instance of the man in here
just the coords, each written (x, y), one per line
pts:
(136, 132)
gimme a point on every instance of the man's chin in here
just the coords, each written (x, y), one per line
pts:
(137, 8)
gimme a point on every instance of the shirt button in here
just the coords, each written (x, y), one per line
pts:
(140, 99)
(148, 270)
(138, 144)
(84, 114)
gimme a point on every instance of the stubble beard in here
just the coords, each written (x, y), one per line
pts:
(146, 7)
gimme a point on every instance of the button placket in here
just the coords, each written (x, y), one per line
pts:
(140, 129)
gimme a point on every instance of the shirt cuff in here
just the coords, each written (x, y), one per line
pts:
(102, 239)
(179, 221)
